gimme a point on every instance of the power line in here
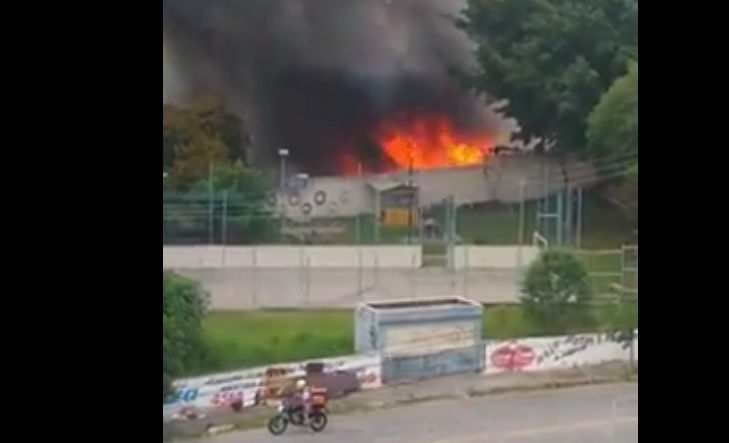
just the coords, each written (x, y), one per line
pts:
(574, 176)
(580, 174)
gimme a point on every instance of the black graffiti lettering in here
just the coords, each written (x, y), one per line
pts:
(564, 348)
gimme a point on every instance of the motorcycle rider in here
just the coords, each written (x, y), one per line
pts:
(303, 394)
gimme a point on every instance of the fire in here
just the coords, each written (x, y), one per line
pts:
(427, 142)
(431, 142)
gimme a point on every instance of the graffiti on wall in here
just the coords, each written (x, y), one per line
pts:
(407, 368)
(266, 386)
(432, 338)
(554, 353)
(279, 381)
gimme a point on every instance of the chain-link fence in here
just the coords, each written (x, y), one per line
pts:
(307, 287)
(230, 220)
(613, 271)
(222, 218)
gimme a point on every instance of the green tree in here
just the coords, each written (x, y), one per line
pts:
(614, 132)
(199, 135)
(170, 363)
(552, 59)
(557, 293)
(240, 209)
(229, 205)
(613, 124)
(620, 318)
(185, 349)
(209, 192)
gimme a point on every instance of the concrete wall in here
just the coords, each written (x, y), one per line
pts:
(315, 277)
(425, 367)
(505, 179)
(340, 257)
(302, 288)
(426, 342)
(432, 338)
(492, 257)
(366, 334)
(327, 197)
(417, 326)
(291, 257)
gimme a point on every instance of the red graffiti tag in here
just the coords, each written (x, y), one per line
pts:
(513, 357)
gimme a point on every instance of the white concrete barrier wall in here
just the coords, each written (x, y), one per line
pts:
(193, 257)
(519, 355)
(555, 353)
(491, 257)
(221, 390)
(286, 257)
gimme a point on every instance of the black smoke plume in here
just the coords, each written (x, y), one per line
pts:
(316, 76)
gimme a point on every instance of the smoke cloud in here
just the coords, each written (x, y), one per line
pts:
(316, 76)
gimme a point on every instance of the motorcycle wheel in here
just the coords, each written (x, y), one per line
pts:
(278, 425)
(318, 422)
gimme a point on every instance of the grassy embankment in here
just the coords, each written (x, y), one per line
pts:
(246, 339)
(249, 339)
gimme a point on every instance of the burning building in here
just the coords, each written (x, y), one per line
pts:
(344, 86)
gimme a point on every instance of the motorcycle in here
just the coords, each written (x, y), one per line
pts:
(293, 415)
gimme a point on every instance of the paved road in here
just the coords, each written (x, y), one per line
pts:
(595, 415)
(301, 288)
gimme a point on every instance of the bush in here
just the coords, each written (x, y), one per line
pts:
(185, 349)
(557, 293)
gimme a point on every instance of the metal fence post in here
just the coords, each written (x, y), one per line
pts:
(414, 277)
(307, 281)
(254, 279)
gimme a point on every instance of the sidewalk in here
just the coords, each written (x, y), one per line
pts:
(451, 388)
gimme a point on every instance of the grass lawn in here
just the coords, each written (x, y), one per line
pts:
(249, 339)
(499, 225)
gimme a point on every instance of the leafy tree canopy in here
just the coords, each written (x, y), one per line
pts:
(185, 349)
(557, 292)
(614, 132)
(209, 193)
(552, 59)
(613, 125)
(199, 135)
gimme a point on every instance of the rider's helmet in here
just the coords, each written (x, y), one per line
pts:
(300, 384)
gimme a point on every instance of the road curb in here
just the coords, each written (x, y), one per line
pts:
(354, 405)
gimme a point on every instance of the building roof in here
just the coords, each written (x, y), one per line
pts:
(388, 184)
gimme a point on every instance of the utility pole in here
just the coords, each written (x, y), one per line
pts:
(411, 191)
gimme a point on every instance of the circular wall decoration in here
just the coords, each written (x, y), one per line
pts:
(307, 209)
(294, 200)
(320, 198)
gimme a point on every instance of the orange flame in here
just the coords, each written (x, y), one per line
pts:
(425, 142)
(432, 142)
